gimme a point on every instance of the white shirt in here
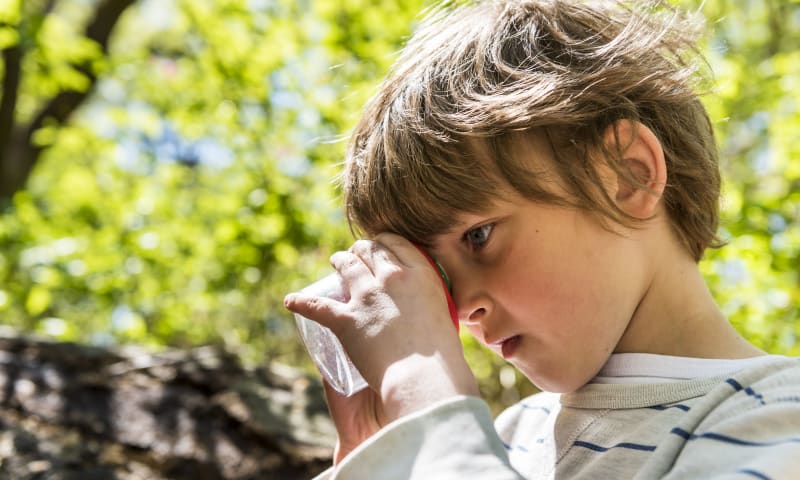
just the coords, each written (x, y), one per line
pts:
(652, 368)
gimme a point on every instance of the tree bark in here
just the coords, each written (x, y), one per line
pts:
(75, 411)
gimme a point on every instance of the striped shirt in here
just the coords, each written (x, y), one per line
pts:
(742, 424)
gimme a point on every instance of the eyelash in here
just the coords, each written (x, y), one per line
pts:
(468, 237)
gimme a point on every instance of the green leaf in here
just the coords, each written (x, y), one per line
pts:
(39, 299)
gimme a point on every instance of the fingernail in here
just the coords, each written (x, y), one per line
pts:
(288, 299)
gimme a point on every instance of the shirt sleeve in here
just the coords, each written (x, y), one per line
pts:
(454, 440)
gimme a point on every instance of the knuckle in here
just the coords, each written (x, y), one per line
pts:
(372, 295)
(362, 246)
(343, 259)
(316, 304)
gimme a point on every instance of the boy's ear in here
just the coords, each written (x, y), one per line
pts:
(643, 156)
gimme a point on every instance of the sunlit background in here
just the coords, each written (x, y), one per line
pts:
(181, 179)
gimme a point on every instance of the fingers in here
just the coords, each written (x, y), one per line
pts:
(389, 249)
(367, 267)
(406, 252)
(367, 260)
(356, 268)
(375, 252)
(323, 310)
(354, 272)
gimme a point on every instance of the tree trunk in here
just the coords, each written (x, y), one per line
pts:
(17, 159)
(70, 411)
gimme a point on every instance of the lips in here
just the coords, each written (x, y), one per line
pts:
(507, 345)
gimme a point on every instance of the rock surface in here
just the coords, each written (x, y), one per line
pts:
(70, 411)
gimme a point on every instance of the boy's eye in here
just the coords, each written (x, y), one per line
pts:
(478, 236)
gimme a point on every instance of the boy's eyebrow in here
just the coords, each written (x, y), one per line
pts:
(465, 221)
(456, 230)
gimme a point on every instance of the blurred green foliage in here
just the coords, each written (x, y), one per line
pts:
(194, 188)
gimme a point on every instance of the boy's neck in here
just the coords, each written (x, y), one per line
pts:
(678, 316)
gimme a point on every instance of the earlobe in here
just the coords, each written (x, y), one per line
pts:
(643, 172)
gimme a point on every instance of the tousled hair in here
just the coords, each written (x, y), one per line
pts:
(489, 73)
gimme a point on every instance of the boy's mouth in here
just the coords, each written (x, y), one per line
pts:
(507, 345)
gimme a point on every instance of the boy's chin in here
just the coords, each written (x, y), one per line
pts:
(551, 380)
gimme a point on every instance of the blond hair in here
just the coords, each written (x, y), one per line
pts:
(564, 71)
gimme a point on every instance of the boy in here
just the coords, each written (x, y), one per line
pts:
(555, 160)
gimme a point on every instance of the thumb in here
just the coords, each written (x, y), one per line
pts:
(354, 417)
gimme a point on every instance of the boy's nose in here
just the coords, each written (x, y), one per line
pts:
(472, 317)
(469, 295)
(470, 305)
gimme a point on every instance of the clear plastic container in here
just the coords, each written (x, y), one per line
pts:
(323, 345)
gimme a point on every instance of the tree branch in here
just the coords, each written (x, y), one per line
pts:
(61, 107)
(12, 59)
(19, 154)
(776, 16)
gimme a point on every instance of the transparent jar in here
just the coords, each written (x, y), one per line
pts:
(323, 345)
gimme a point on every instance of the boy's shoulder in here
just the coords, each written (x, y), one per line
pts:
(749, 423)
(772, 384)
(775, 379)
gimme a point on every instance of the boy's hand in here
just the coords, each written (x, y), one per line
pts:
(396, 328)
(356, 418)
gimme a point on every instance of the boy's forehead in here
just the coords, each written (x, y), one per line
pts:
(529, 151)
(533, 149)
(530, 148)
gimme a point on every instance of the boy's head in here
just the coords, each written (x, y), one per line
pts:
(442, 134)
